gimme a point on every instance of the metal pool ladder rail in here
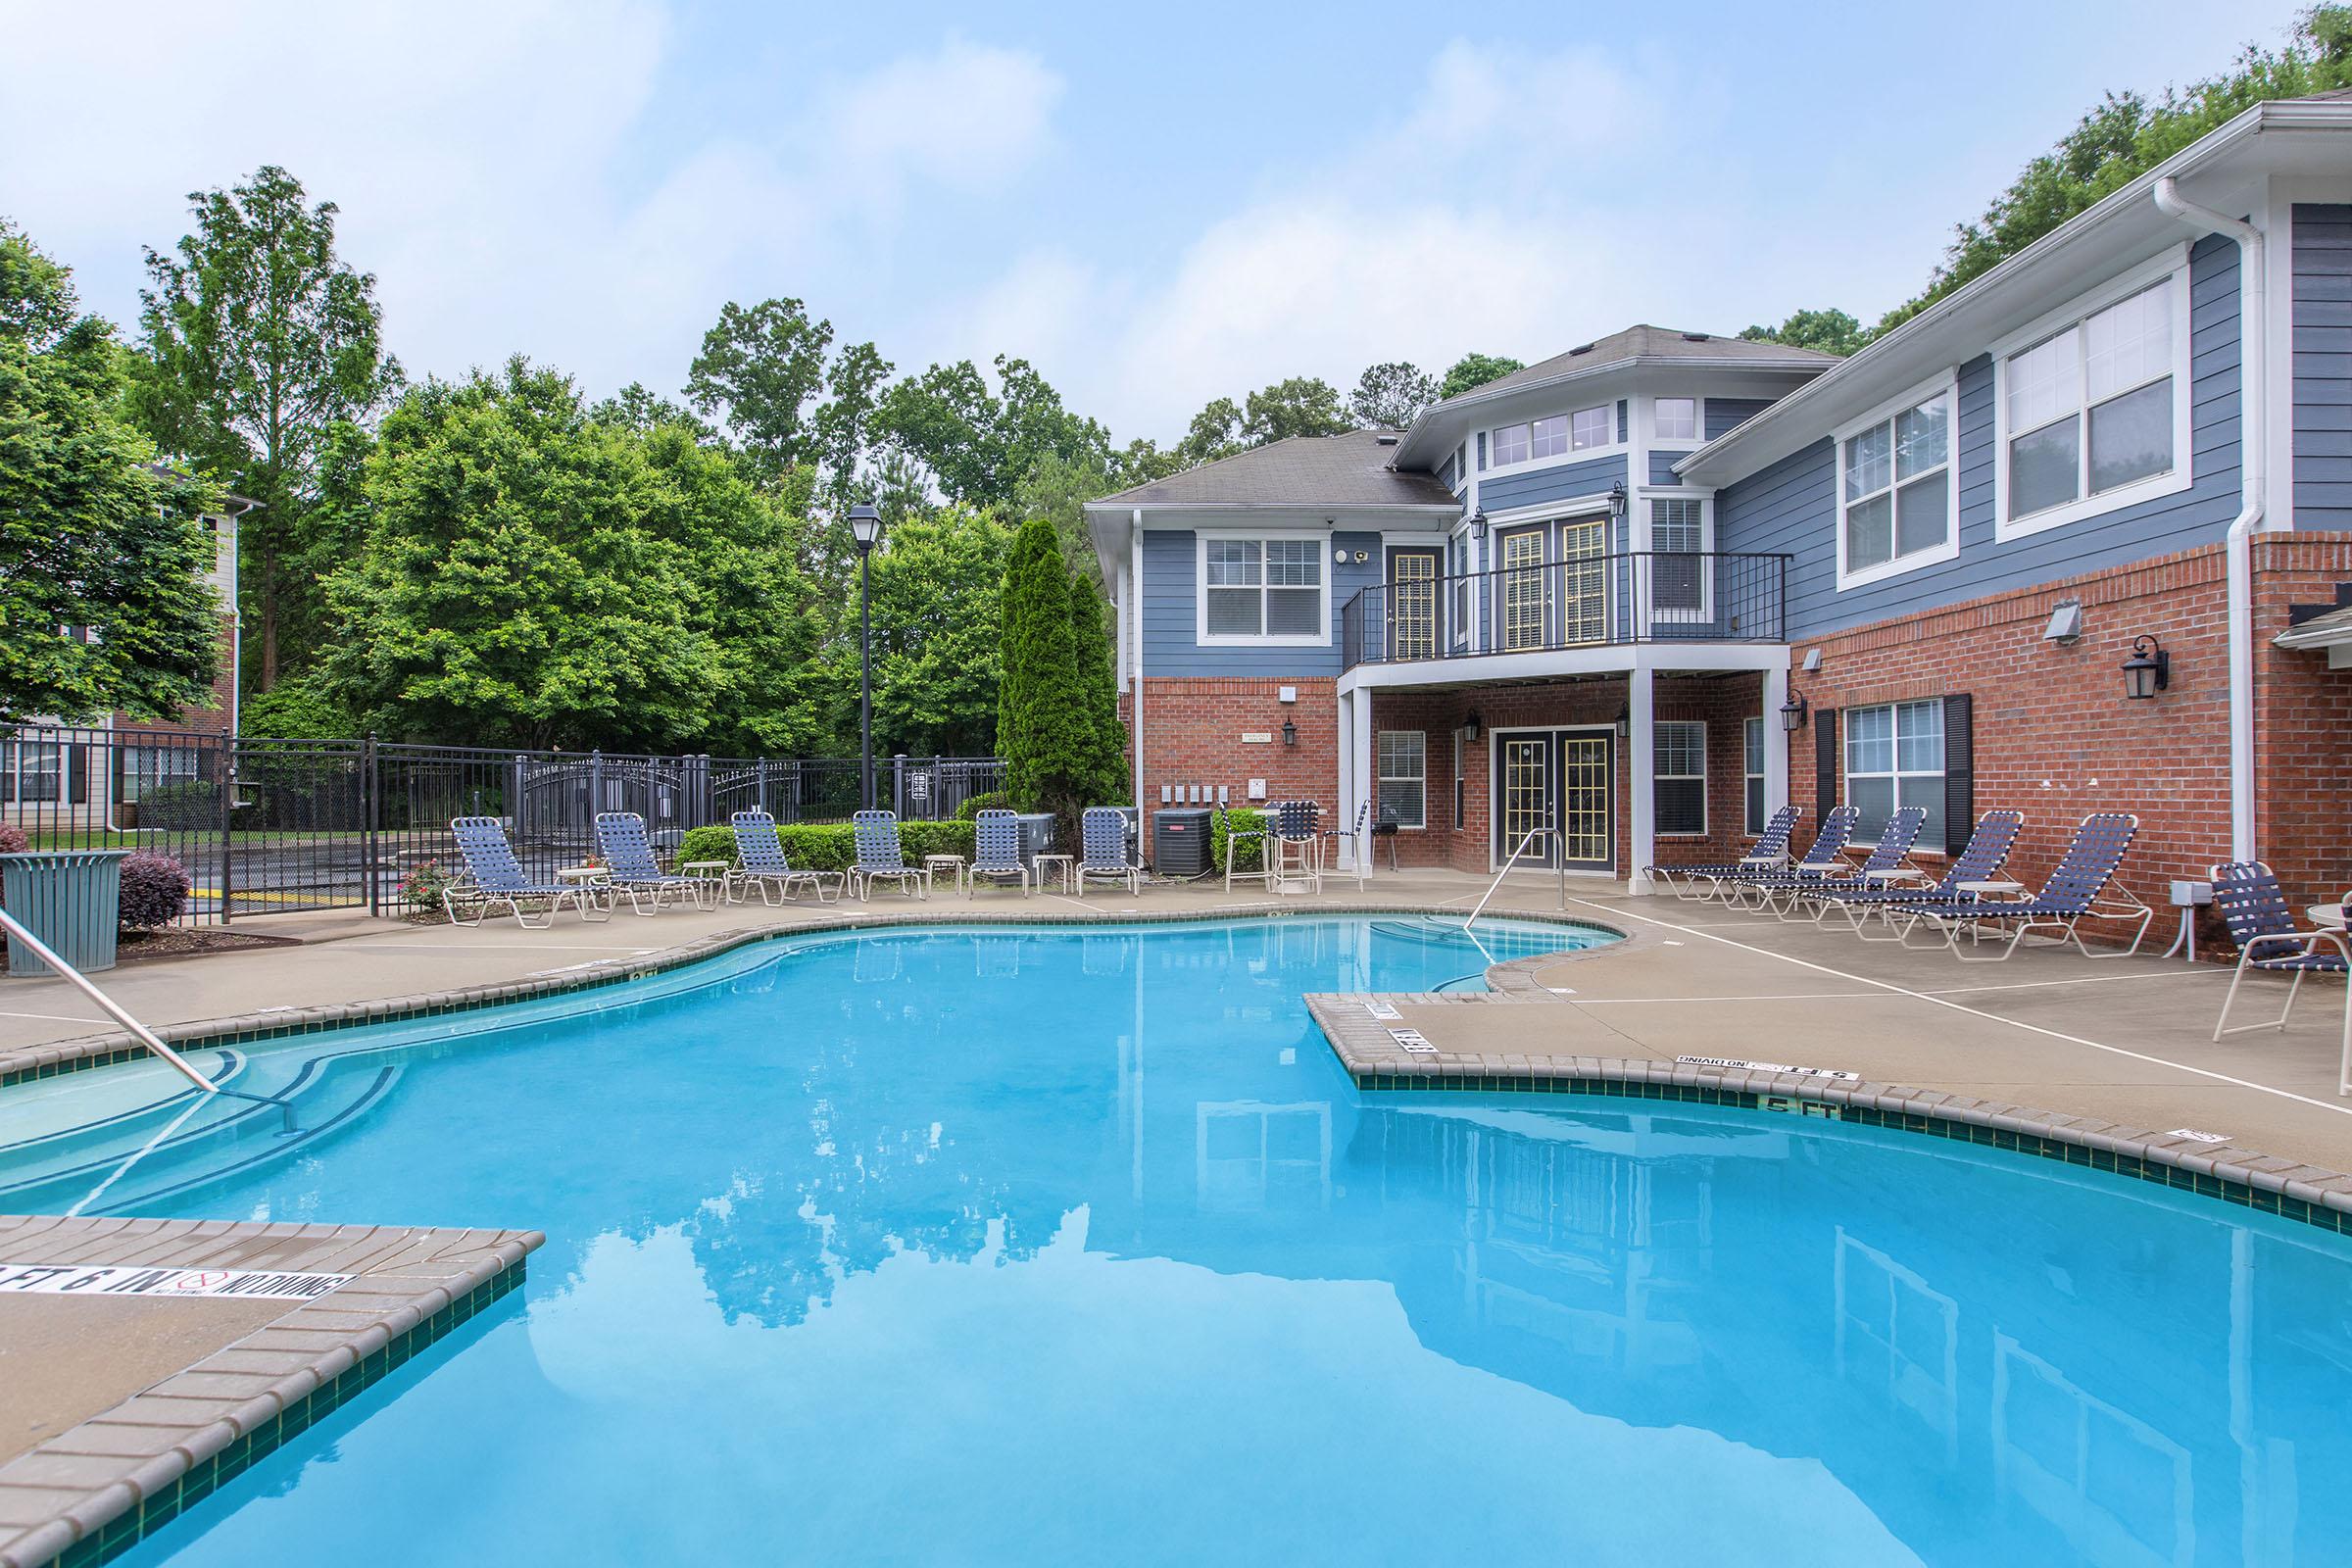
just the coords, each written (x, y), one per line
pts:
(40, 950)
(1525, 839)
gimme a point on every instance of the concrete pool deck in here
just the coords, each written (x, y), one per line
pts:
(2108, 1054)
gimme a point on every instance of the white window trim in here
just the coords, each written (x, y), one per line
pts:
(1948, 384)
(1675, 443)
(2173, 263)
(1573, 454)
(1705, 611)
(1204, 638)
(1379, 778)
(1757, 775)
(1898, 773)
(1705, 794)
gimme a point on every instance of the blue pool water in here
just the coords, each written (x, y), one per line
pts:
(1076, 1246)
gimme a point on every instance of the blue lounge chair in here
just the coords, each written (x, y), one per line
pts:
(1770, 854)
(762, 863)
(2082, 888)
(2263, 926)
(494, 876)
(1888, 861)
(1822, 861)
(997, 848)
(879, 857)
(1979, 862)
(1102, 843)
(629, 858)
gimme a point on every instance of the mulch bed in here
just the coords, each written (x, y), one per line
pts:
(181, 941)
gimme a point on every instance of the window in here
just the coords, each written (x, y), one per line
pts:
(150, 768)
(34, 771)
(1751, 763)
(1550, 436)
(1511, 445)
(2091, 414)
(1590, 427)
(1894, 758)
(1678, 419)
(1677, 540)
(1262, 589)
(1680, 748)
(1896, 491)
(1404, 777)
(1460, 590)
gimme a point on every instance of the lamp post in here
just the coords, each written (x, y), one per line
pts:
(866, 526)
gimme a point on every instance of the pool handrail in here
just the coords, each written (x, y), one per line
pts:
(74, 977)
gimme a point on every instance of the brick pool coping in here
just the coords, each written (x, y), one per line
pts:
(92, 1491)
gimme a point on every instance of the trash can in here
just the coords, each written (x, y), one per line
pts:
(69, 898)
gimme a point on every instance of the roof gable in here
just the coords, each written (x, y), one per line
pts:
(1301, 470)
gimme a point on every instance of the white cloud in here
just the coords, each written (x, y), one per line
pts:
(511, 173)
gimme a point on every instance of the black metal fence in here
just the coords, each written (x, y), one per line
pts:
(267, 826)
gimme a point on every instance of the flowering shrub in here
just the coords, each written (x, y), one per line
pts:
(154, 891)
(421, 889)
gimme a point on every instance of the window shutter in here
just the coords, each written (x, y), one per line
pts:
(1825, 772)
(1959, 771)
(77, 773)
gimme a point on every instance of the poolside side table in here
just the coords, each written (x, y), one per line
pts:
(1894, 874)
(952, 864)
(1064, 864)
(711, 878)
(2327, 917)
(1997, 885)
(585, 877)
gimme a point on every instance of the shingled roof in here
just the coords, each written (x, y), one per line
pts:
(1303, 471)
(1651, 343)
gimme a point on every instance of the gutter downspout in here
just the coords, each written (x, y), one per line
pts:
(1134, 666)
(2253, 446)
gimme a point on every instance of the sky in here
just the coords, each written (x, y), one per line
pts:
(1154, 204)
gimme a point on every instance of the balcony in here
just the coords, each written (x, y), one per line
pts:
(1598, 601)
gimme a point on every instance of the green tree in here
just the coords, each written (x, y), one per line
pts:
(1830, 331)
(1216, 432)
(1303, 405)
(524, 579)
(637, 408)
(1057, 490)
(259, 341)
(90, 538)
(2128, 134)
(1390, 396)
(976, 444)
(1045, 722)
(1474, 370)
(761, 370)
(298, 708)
(938, 622)
(845, 422)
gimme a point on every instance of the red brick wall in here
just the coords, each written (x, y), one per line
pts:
(1192, 729)
(2302, 721)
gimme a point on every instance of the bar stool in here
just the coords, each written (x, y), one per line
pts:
(1297, 846)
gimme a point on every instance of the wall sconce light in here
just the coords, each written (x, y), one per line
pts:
(1289, 732)
(1625, 721)
(1470, 728)
(2148, 670)
(1478, 527)
(1617, 500)
(1793, 712)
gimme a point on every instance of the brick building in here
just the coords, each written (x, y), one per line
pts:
(1621, 605)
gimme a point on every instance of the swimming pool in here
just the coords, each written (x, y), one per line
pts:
(1061, 1245)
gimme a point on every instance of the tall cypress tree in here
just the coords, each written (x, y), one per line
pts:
(1097, 681)
(1045, 727)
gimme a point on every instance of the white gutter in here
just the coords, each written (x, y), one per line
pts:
(2253, 443)
(1134, 710)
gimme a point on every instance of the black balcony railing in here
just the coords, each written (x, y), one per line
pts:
(1647, 596)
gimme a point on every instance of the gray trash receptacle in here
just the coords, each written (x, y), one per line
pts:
(69, 898)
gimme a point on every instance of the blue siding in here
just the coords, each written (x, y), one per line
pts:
(1537, 486)
(1623, 422)
(1171, 621)
(1661, 465)
(1725, 414)
(1791, 505)
(2322, 347)
(1449, 477)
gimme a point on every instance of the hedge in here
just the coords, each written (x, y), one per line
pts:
(984, 800)
(830, 846)
(1242, 820)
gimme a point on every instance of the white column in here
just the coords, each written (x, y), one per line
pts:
(1641, 771)
(1776, 741)
(1360, 749)
(1350, 780)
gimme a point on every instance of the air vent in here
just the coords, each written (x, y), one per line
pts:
(1581, 348)
(1384, 439)
(1696, 337)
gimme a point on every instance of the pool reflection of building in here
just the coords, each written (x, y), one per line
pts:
(1611, 1258)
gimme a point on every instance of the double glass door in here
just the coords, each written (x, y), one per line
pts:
(1560, 780)
(1554, 585)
